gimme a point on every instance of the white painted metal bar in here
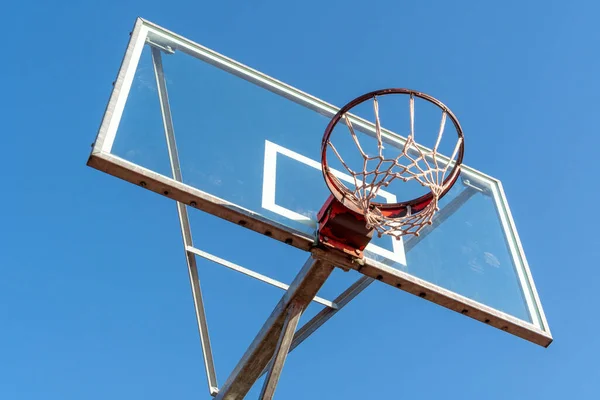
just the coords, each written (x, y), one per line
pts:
(184, 223)
(282, 349)
(121, 87)
(519, 265)
(253, 274)
(521, 254)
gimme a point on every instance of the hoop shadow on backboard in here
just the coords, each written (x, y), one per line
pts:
(258, 167)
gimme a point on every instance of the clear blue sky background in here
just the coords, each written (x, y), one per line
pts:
(94, 297)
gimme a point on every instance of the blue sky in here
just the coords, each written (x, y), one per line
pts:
(94, 297)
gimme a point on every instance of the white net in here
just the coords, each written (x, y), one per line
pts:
(427, 167)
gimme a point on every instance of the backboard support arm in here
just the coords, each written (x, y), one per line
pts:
(184, 222)
(282, 349)
(303, 289)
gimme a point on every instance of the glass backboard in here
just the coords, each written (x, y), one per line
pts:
(214, 134)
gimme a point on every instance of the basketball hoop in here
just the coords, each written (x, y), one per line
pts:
(433, 171)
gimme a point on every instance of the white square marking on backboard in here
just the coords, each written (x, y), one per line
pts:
(268, 197)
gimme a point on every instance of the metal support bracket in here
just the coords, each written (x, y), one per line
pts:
(166, 49)
(305, 286)
(282, 349)
(185, 223)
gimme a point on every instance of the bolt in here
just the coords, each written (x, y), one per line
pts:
(357, 251)
(325, 239)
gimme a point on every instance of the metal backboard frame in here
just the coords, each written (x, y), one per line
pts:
(163, 41)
